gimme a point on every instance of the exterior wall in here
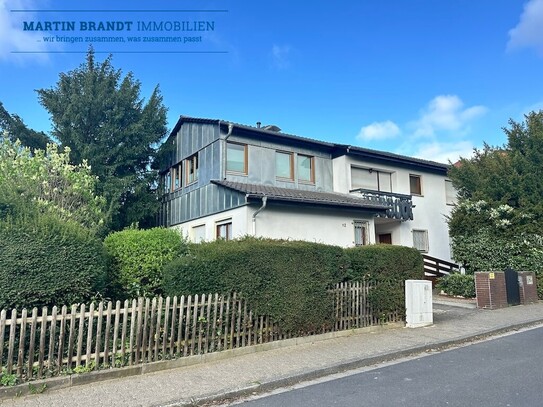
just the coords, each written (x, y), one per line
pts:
(429, 212)
(261, 165)
(490, 292)
(238, 216)
(527, 287)
(330, 226)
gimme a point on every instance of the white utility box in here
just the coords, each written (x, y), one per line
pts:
(418, 303)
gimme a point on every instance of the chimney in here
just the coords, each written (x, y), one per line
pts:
(258, 125)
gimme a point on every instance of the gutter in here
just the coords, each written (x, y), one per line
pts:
(264, 202)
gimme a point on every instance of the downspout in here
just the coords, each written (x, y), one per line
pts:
(230, 128)
(264, 202)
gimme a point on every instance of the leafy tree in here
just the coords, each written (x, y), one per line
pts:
(40, 182)
(498, 221)
(100, 116)
(15, 128)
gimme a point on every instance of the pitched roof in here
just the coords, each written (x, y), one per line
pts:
(300, 196)
(333, 147)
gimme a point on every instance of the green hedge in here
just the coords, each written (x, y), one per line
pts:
(138, 258)
(388, 267)
(287, 280)
(457, 284)
(45, 262)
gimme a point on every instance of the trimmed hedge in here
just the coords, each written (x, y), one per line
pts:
(46, 262)
(387, 266)
(457, 284)
(287, 280)
(138, 258)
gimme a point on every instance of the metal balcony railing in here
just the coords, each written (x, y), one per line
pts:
(400, 206)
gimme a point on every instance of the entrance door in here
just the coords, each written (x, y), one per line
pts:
(512, 287)
(385, 238)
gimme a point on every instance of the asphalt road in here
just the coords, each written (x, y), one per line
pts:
(507, 371)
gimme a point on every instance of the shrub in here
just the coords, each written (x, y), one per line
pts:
(386, 266)
(138, 258)
(457, 284)
(287, 280)
(46, 262)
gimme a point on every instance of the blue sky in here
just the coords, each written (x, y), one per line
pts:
(424, 78)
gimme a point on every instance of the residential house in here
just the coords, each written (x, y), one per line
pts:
(226, 180)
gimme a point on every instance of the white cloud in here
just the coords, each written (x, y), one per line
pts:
(529, 31)
(12, 37)
(444, 151)
(379, 131)
(280, 56)
(445, 113)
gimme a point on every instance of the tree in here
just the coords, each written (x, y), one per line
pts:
(39, 182)
(15, 128)
(498, 221)
(101, 117)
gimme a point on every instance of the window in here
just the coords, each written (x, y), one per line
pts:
(236, 158)
(420, 240)
(191, 169)
(224, 230)
(284, 165)
(368, 178)
(199, 233)
(415, 186)
(450, 193)
(360, 233)
(306, 168)
(177, 179)
(168, 182)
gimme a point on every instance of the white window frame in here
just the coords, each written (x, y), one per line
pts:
(420, 185)
(364, 226)
(421, 243)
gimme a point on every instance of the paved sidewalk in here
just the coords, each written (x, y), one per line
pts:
(279, 367)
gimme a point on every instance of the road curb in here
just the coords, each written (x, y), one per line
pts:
(342, 367)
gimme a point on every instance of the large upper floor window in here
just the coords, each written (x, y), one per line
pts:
(415, 184)
(306, 168)
(236, 158)
(369, 178)
(191, 169)
(284, 165)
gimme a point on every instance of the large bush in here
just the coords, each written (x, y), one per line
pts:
(386, 266)
(287, 280)
(457, 284)
(45, 262)
(138, 258)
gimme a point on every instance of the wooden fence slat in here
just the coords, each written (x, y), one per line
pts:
(106, 333)
(151, 339)
(115, 344)
(52, 337)
(98, 342)
(214, 325)
(158, 328)
(22, 340)
(90, 330)
(233, 320)
(80, 335)
(238, 324)
(138, 331)
(172, 326)
(32, 345)
(208, 324)
(166, 333)
(187, 326)
(226, 326)
(71, 337)
(61, 338)
(194, 321)
(2, 333)
(145, 329)
(41, 356)
(11, 343)
(200, 323)
(220, 323)
(134, 320)
(180, 345)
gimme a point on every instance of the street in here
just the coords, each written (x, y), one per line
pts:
(506, 371)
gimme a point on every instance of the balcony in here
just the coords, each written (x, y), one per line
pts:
(401, 206)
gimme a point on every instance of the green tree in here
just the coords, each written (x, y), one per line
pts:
(498, 221)
(14, 127)
(100, 115)
(39, 182)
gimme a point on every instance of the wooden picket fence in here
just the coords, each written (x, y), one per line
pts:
(105, 335)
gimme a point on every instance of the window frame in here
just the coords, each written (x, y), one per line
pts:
(426, 242)
(229, 231)
(364, 226)
(291, 165)
(311, 169)
(450, 199)
(419, 177)
(197, 227)
(245, 158)
(378, 174)
(194, 162)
